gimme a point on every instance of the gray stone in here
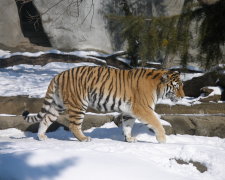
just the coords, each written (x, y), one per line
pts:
(207, 125)
(70, 27)
(193, 87)
(19, 123)
(10, 30)
(84, 25)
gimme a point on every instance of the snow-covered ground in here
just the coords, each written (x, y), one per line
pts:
(22, 157)
(107, 156)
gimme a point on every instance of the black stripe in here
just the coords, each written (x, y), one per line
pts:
(77, 112)
(94, 98)
(39, 116)
(139, 75)
(156, 75)
(51, 120)
(119, 104)
(43, 110)
(150, 73)
(143, 73)
(47, 103)
(107, 99)
(120, 81)
(100, 70)
(114, 100)
(137, 70)
(76, 117)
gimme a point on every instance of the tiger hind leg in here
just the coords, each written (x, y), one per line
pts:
(75, 124)
(127, 125)
(47, 120)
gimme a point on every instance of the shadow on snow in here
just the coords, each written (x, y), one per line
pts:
(15, 166)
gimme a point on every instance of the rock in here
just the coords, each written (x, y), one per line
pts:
(206, 91)
(223, 95)
(180, 124)
(19, 123)
(207, 125)
(17, 104)
(193, 87)
(213, 98)
(200, 166)
(203, 108)
(74, 26)
(10, 30)
(85, 25)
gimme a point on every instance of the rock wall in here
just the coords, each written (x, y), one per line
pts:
(83, 24)
(10, 30)
(74, 26)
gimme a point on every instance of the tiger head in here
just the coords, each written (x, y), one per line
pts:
(171, 86)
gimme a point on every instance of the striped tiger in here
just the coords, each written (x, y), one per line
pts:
(133, 93)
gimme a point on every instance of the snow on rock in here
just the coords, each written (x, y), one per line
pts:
(107, 156)
(216, 90)
(7, 54)
(189, 76)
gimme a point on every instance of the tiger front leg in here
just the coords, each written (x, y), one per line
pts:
(148, 117)
(75, 128)
(127, 124)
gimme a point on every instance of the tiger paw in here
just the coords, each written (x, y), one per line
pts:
(85, 139)
(130, 139)
(161, 139)
(42, 137)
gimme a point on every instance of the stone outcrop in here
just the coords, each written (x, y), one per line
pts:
(74, 26)
(84, 25)
(193, 87)
(19, 123)
(207, 125)
(10, 30)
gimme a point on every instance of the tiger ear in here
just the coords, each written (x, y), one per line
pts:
(165, 78)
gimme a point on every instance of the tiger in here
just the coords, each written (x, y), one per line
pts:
(133, 93)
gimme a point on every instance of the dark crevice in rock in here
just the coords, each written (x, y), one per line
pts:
(31, 24)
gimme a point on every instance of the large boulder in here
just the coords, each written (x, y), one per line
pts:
(74, 26)
(216, 77)
(85, 25)
(10, 30)
(193, 87)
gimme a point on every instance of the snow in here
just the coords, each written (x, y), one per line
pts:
(31, 80)
(107, 156)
